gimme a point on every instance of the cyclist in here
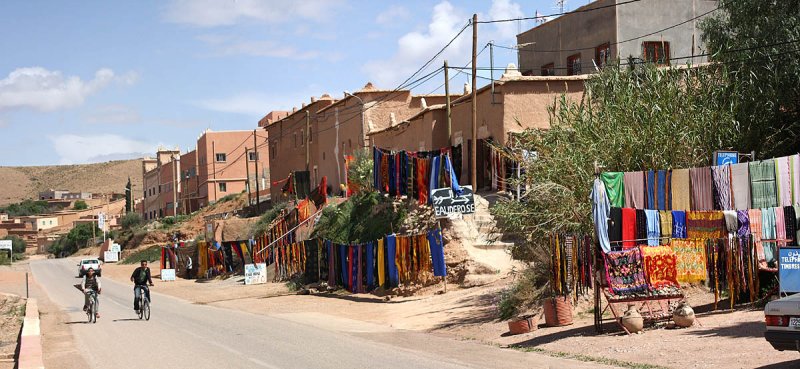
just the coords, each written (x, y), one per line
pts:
(140, 279)
(91, 283)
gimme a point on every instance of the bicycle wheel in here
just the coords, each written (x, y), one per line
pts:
(146, 309)
(89, 309)
(93, 310)
(141, 307)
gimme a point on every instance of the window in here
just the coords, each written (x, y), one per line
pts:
(602, 54)
(252, 156)
(295, 139)
(656, 52)
(323, 156)
(310, 136)
(221, 157)
(223, 187)
(548, 70)
(574, 65)
(302, 137)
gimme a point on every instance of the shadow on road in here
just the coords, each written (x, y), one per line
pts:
(78, 322)
(127, 320)
(784, 365)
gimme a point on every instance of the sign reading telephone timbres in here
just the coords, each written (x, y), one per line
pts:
(445, 202)
(789, 269)
(255, 273)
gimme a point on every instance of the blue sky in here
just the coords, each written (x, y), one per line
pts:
(90, 81)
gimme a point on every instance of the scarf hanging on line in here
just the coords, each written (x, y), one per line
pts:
(790, 219)
(690, 260)
(681, 189)
(740, 186)
(722, 187)
(783, 179)
(679, 224)
(651, 190)
(625, 272)
(615, 188)
(641, 226)
(437, 252)
(634, 190)
(705, 224)
(762, 184)
(780, 226)
(660, 266)
(665, 218)
(702, 193)
(391, 257)
(653, 227)
(628, 228)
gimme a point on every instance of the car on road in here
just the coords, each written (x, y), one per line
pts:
(87, 264)
(783, 323)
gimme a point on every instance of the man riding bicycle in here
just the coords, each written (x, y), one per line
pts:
(91, 285)
(140, 279)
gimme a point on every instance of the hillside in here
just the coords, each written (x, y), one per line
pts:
(19, 183)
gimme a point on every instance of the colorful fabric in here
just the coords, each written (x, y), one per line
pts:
(615, 188)
(615, 228)
(690, 260)
(731, 221)
(681, 190)
(641, 227)
(705, 224)
(740, 186)
(651, 196)
(769, 232)
(634, 189)
(653, 227)
(600, 214)
(625, 272)
(437, 252)
(794, 165)
(659, 266)
(783, 180)
(391, 257)
(659, 193)
(679, 224)
(665, 217)
(790, 219)
(628, 228)
(381, 264)
(722, 187)
(702, 192)
(780, 227)
(743, 219)
(762, 184)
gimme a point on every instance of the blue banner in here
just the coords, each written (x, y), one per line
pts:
(726, 157)
(789, 269)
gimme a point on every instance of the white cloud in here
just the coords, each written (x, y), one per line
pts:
(228, 46)
(505, 9)
(213, 13)
(73, 149)
(113, 114)
(44, 90)
(258, 104)
(394, 13)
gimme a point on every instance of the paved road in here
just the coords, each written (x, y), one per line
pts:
(181, 335)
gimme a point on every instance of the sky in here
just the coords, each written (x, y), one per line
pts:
(92, 81)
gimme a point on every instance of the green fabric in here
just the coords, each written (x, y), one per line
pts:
(614, 188)
(762, 184)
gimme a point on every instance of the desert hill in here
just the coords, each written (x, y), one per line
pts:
(20, 183)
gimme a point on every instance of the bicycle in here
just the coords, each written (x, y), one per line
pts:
(144, 304)
(91, 309)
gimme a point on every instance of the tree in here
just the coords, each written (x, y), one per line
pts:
(359, 171)
(130, 221)
(77, 238)
(80, 205)
(28, 207)
(129, 196)
(756, 42)
(18, 246)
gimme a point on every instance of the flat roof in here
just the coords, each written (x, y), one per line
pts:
(409, 119)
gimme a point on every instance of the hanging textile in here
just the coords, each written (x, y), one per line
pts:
(702, 193)
(665, 218)
(601, 212)
(625, 272)
(664, 190)
(762, 184)
(422, 185)
(659, 266)
(202, 258)
(653, 227)
(679, 224)
(790, 219)
(437, 252)
(614, 187)
(634, 189)
(391, 257)
(628, 228)
(780, 226)
(740, 186)
(794, 166)
(731, 221)
(705, 224)
(641, 227)
(651, 196)
(381, 263)
(370, 265)
(768, 232)
(744, 223)
(690, 260)
(783, 180)
(615, 229)
(722, 187)
(681, 190)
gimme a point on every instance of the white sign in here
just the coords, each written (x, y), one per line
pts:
(101, 221)
(115, 247)
(7, 245)
(110, 256)
(255, 273)
(167, 274)
(445, 202)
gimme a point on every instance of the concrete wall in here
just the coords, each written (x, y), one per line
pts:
(233, 171)
(423, 132)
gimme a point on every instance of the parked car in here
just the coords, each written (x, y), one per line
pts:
(783, 323)
(86, 264)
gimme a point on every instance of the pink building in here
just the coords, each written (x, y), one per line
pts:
(230, 161)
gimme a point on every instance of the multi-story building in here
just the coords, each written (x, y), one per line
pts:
(160, 184)
(662, 32)
(228, 162)
(41, 222)
(64, 195)
(190, 183)
(273, 117)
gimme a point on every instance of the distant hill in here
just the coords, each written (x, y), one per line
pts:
(20, 183)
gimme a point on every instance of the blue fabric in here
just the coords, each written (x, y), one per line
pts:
(356, 264)
(662, 193)
(453, 179)
(679, 224)
(651, 187)
(434, 180)
(391, 255)
(601, 211)
(653, 227)
(437, 252)
(343, 261)
(403, 173)
(370, 266)
(376, 168)
(391, 175)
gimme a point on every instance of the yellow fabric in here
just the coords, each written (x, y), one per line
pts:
(665, 216)
(202, 258)
(381, 262)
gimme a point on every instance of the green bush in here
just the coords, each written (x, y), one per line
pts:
(262, 226)
(18, 246)
(150, 254)
(131, 221)
(29, 207)
(76, 239)
(80, 205)
(171, 221)
(367, 216)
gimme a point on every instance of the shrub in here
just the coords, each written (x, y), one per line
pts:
(150, 254)
(17, 246)
(131, 220)
(262, 226)
(80, 205)
(366, 216)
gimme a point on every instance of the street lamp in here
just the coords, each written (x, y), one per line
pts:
(363, 136)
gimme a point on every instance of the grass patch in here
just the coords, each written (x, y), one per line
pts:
(150, 254)
(588, 359)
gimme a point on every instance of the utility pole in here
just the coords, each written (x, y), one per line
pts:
(491, 66)
(447, 102)
(308, 142)
(247, 169)
(258, 187)
(474, 145)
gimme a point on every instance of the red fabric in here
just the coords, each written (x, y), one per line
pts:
(422, 183)
(628, 228)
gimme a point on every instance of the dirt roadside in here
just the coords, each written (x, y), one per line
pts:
(720, 340)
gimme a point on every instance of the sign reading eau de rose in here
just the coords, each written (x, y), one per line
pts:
(445, 202)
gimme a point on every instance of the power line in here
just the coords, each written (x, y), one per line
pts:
(458, 71)
(559, 14)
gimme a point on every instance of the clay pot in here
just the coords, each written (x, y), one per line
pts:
(523, 325)
(632, 320)
(683, 315)
(557, 311)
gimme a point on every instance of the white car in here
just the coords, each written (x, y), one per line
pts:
(87, 264)
(783, 323)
